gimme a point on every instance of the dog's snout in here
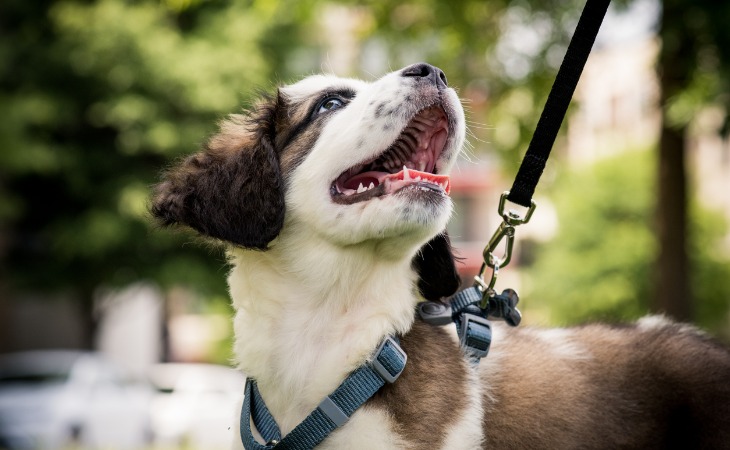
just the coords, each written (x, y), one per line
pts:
(423, 70)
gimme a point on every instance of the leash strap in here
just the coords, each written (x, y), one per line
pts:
(474, 329)
(386, 366)
(557, 102)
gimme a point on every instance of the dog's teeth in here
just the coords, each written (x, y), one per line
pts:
(418, 178)
(406, 175)
(361, 189)
(372, 185)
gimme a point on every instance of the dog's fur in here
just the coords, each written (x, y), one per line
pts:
(320, 277)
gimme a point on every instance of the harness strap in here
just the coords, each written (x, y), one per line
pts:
(472, 324)
(557, 102)
(386, 366)
(475, 334)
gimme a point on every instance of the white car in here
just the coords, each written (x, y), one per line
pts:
(57, 398)
(196, 405)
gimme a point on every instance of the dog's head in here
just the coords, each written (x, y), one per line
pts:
(352, 161)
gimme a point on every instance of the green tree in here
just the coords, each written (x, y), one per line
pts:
(98, 97)
(510, 50)
(502, 55)
(693, 68)
(600, 263)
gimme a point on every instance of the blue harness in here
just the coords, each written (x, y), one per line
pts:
(469, 309)
(386, 366)
(475, 334)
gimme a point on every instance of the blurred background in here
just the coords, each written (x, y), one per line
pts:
(115, 333)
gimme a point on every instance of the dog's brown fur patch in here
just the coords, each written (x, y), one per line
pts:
(428, 397)
(627, 387)
(232, 189)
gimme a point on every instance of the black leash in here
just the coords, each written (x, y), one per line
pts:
(470, 308)
(542, 140)
(557, 102)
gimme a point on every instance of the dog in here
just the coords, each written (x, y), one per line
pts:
(331, 198)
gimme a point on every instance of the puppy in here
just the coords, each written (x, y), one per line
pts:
(331, 198)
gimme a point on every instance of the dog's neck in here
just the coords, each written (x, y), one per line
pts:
(309, 312)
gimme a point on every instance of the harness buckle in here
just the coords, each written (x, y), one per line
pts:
(389, 360)
(435, 313)
(504, 307)
(476, 335)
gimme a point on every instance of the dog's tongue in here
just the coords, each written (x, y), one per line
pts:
(395, 181)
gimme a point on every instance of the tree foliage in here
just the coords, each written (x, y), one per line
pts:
(693, 66)
(98, 97)
(599, 266)
(502, 56)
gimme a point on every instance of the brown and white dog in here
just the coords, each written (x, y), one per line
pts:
(331, 197)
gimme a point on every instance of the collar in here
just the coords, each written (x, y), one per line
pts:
(386, 366)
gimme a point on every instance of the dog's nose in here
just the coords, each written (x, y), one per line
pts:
(423, 70)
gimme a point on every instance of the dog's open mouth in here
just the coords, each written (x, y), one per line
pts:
(410, 162)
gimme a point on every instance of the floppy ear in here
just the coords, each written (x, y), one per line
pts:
(436, 267)
(231, 190)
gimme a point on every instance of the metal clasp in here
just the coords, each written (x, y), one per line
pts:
(513, 217)
(506, 230)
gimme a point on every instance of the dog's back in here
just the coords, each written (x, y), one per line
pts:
(655, 384)
(652, 385)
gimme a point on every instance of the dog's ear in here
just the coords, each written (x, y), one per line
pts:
(232, 189)
(436, 267)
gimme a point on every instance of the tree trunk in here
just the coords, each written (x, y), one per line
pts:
(672, 294)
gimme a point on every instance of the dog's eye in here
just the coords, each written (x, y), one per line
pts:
(330, 104)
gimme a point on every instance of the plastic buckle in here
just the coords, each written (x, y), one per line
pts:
(504, 307)
(435, 313)
(471, 327)
(400, 356)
